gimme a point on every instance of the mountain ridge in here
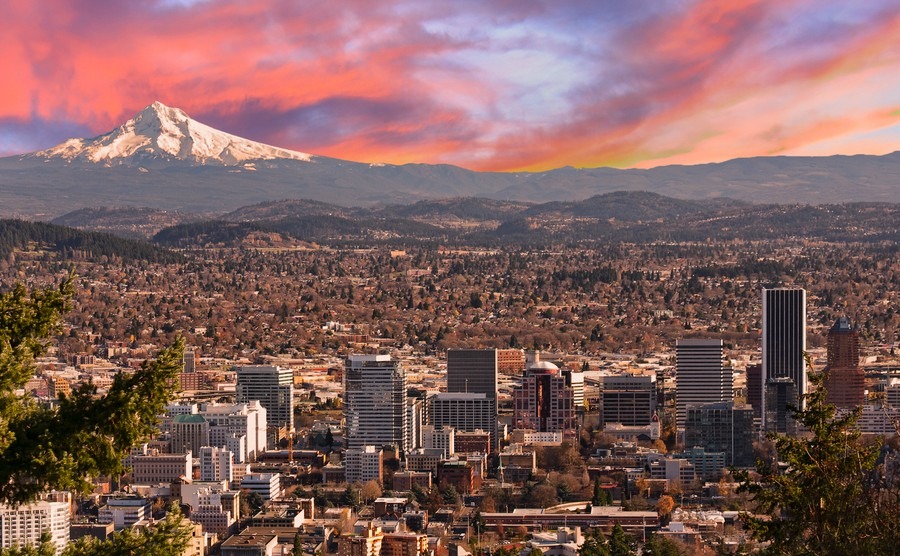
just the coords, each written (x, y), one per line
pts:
(163, 159)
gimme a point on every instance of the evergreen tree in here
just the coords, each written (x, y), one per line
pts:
(86, 435)
(594, 544)
(621, 543)
(832, 498)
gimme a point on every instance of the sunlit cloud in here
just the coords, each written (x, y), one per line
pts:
(504, 85)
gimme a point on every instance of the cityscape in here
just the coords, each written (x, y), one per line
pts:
(430, 278)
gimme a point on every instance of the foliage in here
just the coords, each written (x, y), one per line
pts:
(169, 537)
(832, 499)
(594, 544)
(18, 234)
(621, 543)
(661, 546)
(601, 497)
(62, 448)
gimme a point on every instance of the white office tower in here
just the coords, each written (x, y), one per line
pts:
(783, 366)
(274, 388)
(23, 525)
(440, 438)
(216, 464)
(240, 428)
(375, 407)
(701, 376)
(364, 464)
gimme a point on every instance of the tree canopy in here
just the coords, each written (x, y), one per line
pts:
(86, 434)
(833, 497)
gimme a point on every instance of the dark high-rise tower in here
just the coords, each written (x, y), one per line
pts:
(475, 371)
(844, 378)
(783, 345)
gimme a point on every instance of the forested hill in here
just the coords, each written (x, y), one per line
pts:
(69, 242)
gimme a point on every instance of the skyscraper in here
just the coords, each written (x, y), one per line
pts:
(475, 371)
(274, 388)
(544, 402)
(375, 408)
(701, 377)
(627, 399)
(783, 345)
(844, 378)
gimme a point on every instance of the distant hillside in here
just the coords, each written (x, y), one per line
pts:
(131, 222)
(21, 235)
(286, 208)
(637, 217)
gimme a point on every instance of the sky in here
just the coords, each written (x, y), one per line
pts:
(503, 85)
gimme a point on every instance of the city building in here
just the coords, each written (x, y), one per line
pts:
(266, 485)
(783, 348)
(628, 399)
(364, 464)
(375, 405)
(249, 545)
(25, 524)
(701, 376)
(273, 387)
(707, 465)
(216, 464)
(474, 371)
(544, 401)
(189, 432)
(755, 389)
(154, 467)
(124, 511)
(440, 438)
(465, 412)
(240, 428)
(722, 427)
(366, 543)
(844, 378)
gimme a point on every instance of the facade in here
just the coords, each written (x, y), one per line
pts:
(364, 464)
(366, 543)
(404, 544)
(273, 387)
(267, 485)
(216, 464)
(755, 389)
(465, 412)
(375, 407)
(628, 399)
(123, 512)
(707, 465)
(544, 402)
(844, 378)
(154, 468)
(249, 545)
(783, 346)
(475, 371)
(477, 441)
(189, 432)
(440, 438)
(722, 427)
(240, 428)
(24, 525)
(701, 376)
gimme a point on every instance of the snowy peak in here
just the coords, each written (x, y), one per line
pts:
(160, 132)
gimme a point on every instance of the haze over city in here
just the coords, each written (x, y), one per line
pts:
(485, 85)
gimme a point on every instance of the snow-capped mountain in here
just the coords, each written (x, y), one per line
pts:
(159, 132)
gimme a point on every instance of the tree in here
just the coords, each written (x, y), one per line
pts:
(168, 537)
(660, 546)
(600, 497)
(664, 507)
(831, 499)
(594, 544)
(85, 436)
(620, 542)
(370, 491)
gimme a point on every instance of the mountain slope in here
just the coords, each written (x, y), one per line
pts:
(163, 159)
(161, 133)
